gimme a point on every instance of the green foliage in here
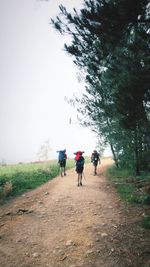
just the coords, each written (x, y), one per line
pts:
(145, 223)
(130, 188)
(17, 179)
(110, 43)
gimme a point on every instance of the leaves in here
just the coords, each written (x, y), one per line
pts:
(110, 43)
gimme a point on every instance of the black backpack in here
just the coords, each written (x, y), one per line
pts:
(95, 157)
(80, 164)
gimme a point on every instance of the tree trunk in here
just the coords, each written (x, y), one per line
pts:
(146, 128)
(114, 155)
(112, 148)
(145, 124)
(137, 164)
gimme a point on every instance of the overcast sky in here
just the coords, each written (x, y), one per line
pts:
(35, 76)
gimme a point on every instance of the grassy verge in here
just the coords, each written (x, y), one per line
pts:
(17, 179)
(133, 190)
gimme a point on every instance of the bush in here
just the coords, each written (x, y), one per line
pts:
(17, 179)
(146, 222)
(130, 188)
(7, 189)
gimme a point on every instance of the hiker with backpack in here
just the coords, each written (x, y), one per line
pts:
(62, 156)
(79, 165)
(95, 158)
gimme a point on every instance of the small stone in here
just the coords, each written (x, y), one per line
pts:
(90, 245)
(115, 226)
(88, 252)
(35, 255)
(19, 240)
(60, 252)
(70, 243)
(27, 254)
(104, 234)
(63, 258)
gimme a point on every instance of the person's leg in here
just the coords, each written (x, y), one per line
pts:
(95, 168)
(61, 171)
(80, 178)
(64, 167)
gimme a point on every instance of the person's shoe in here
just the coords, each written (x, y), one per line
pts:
(80, 183)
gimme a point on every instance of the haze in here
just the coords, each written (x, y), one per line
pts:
(36, 75)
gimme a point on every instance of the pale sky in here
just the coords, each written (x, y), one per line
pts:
(35, 76)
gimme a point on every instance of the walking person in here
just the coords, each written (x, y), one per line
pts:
(95, 158)
(62, 156)
(79, 166)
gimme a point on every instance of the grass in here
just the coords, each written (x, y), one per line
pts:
(118, 178)
(131, 189)
(145, 223)
(20, 178)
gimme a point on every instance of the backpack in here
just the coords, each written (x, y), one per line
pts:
(62, 155)
(80, 163)
(95, 157)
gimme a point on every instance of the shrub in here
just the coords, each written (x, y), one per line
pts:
(7, 189)
(132, 189)
(145, 223)
(17, 179)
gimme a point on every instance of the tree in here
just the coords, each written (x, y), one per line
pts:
(110, 43)
(44, 150)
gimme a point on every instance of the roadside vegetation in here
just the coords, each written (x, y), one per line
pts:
(110, 46)
(134, 190)
(19, 178)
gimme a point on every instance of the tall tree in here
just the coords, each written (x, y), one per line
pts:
(110, 43)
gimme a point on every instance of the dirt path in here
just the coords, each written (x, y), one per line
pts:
(60, 224)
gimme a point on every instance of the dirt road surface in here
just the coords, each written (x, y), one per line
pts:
(60, 224)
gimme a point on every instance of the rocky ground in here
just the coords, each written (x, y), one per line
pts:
(60, 224)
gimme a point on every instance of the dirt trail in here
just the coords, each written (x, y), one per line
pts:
(60, 224)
